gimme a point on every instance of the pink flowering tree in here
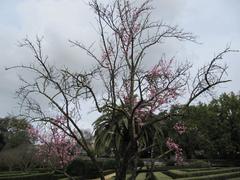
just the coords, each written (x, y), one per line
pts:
(131, 93)
(54, 146)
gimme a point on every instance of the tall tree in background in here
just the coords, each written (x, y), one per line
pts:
(214, 128)
(126, 34)
(14, 132)
(18, 150)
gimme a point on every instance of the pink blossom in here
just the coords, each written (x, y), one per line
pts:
(176, 148)
(180, 128)
(54, 145)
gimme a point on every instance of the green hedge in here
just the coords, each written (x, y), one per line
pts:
(198, 164)
(13, 174)
(199, 169)
(222, 176)
(182, 174)
(36, 176)
(106, 172)
(237, 178)
(82, 168)
(85, 168)
(10, 172)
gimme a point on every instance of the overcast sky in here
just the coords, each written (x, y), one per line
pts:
(215, 22)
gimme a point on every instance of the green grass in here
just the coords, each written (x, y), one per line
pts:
(141, 176)
(161, 176)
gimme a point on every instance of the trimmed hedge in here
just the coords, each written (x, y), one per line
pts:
(107, 172)
(13, 174)
(85, 168)
(182, 174)
(222, 176)
(36, 176)
(200, 169)
(82, 168)
(198, 164)
(195, 163)
(10, 172)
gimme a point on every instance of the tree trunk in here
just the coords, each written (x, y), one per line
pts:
(93, 159)
(134, 169)
(121, 172)
(149, 175)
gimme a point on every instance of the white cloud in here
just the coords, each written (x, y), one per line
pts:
(216, 22)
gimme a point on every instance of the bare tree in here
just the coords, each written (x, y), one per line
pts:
(62, 95)
(126, 33)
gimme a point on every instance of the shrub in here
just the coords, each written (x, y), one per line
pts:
(83, 168)
(108, 164)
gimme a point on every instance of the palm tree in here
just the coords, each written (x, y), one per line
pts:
(111, 135)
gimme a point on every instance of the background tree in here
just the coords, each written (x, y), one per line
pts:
(213, 129)
(14, 131)
(19, 151)
(2, 142)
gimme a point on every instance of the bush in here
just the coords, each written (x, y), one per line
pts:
(108, 164)
(86, 169)
(83, 168)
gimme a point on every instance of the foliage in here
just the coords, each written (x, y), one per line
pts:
(18, 152)
(82, 168)
(213, 129)
(13, 131)
(85, 168)
(2, 142)
(22, 157)
(54, 147)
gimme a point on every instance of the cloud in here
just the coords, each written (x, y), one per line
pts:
(215, 22)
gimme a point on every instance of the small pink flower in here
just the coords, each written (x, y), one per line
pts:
(176, 148)
(180, 128)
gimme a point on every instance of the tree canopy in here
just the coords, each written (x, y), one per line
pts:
(213, 128)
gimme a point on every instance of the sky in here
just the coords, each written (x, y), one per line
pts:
(215, 23)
